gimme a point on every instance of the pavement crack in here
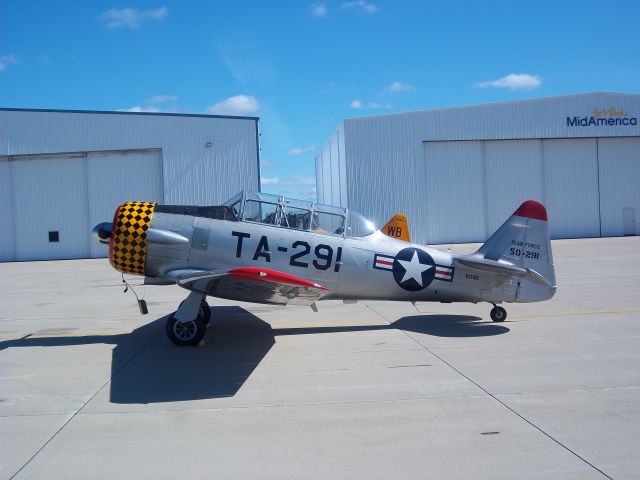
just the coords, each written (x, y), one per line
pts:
(84, 404)
(504, 404)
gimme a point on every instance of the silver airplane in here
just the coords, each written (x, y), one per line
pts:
(265, 248)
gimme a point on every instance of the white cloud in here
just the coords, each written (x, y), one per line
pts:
(357, 105)
(138, 108)
(318, 10)
(513, 81)
(297, 180)
(237, 105)
(268, 164)
(398, 87)
(377, 106)
(155, 99)
(131, 17)
(361, 5)
(297, 151)
(270, 181)
(6, 60)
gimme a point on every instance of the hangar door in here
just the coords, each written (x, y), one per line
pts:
(56, 199)
(473, 186)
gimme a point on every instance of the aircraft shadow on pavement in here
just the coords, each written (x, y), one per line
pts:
(147, 368)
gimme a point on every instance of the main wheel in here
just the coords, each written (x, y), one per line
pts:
(204, 311)
(188, 333)
(498, 314)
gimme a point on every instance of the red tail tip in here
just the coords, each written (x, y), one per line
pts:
(532, 209)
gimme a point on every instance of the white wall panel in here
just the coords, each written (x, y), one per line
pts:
(514, 174)
(343, 167)
(7, 244)
(50, 195)
(385, 159)
(454, 187)
(206, 159)
(114, 178)
(335, 171)
(193, 173)
(571, 187)
(619, 164)
(319, 182)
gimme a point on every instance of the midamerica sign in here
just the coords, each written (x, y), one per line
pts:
(608, 117)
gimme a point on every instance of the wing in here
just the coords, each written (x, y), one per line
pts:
(250, 284)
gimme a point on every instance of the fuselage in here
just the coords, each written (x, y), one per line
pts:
(366, 267)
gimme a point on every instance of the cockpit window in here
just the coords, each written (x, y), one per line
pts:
(298, 218)
(261, 212)
(323, 222)
(235, 205)
(358, 226)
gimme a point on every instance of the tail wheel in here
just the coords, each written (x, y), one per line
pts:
(187, 333)
(498, 314)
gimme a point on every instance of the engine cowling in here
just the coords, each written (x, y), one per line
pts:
(128, 240)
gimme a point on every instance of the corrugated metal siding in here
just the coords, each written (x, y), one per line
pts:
(343, 167)
(513, 170)
(385, 162)
(193, 173)
(50, 195)
(571, 187)
(7, 245)
(190, 173)
(319, 184)
(330, 182)
(119, 177)
(619, 163)
(454, 188)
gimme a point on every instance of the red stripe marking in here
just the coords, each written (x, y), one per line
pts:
(272, 276)
(532, 209)
(443, 272)
(385, 262)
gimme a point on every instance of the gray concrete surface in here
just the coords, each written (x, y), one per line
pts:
(91, 389)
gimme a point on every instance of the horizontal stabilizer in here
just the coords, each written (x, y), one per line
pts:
(490, 265)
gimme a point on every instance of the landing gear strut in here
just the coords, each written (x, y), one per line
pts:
(498, 314)
(192, 331)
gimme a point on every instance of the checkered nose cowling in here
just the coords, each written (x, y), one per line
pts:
(128, 242)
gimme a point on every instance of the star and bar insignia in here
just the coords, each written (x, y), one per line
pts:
(413, 269)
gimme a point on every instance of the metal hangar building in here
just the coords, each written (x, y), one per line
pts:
(62, 172)
(458, 173)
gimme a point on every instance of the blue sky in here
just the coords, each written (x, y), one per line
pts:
(303, 67)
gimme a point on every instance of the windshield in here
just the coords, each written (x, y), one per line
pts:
(358, 226)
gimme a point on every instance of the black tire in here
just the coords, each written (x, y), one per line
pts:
(186, 334)
(498, 314)
(205, 310)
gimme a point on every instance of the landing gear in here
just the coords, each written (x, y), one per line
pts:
(498, 314)
(191, 332)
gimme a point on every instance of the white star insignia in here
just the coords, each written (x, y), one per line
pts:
(413, 269)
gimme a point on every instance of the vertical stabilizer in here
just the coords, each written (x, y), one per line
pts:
(397, 227)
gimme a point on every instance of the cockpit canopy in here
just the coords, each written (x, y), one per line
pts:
(304, 215)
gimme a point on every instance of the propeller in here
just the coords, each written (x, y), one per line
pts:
(102, 232)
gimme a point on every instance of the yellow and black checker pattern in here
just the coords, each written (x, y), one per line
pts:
(129, 243)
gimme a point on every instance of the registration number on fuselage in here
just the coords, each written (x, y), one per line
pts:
(300, 254)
